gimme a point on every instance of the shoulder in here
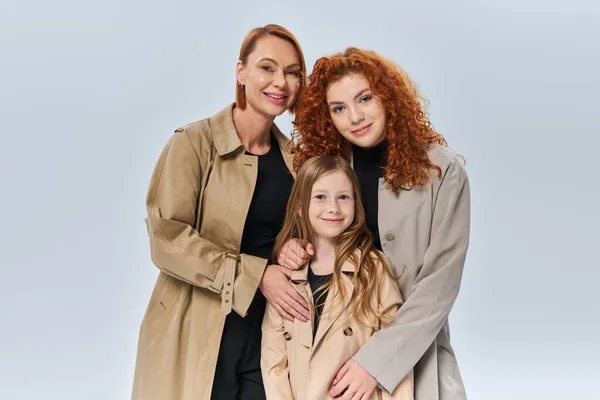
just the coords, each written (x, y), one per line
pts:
(198, 131)
(199, 134)
(450, 163)
(380, 260)
(443, 157)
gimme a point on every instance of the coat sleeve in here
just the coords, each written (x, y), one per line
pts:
(176, 247)
(390, 354)
(390, 300)
(274, 359)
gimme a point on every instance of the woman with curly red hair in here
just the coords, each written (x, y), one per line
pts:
(416, 196)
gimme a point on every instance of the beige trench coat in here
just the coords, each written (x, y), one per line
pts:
(197, 204)
(295, 367)
(425, 233)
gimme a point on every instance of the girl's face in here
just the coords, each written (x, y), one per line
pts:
(356, 113)
(271, 76)
(331, 209)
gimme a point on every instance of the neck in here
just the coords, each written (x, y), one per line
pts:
(324, 259)
(253, 129)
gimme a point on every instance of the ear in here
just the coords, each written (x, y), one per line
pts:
(239, 72)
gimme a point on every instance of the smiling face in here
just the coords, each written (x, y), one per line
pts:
(356, 113)
(331, 208)
(271, 76)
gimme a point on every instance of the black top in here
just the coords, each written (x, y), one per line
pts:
(267, 208)
(239, 352)
(368, 165)
(315, 282)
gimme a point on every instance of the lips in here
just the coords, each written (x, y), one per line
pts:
(333, 220)
(276, 98)
(361, 131)
(275, 95)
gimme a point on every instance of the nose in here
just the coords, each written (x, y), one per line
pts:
(334, 207)
(356, 116)
(279, 79)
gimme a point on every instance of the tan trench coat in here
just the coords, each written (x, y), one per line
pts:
(197, 204)
(425, 233)
(295, 367)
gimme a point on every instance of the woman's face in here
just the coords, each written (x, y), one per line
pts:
(356, 113)
(271, 76)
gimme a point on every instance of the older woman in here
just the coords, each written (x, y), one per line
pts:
(215, 204)
(416, 197)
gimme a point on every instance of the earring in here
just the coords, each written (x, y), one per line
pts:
(241, 85)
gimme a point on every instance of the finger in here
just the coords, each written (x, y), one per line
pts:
(341, 373)
(356, 394)
(310, 249)
(297, 248)
(366, 396)
(284, 313)
(289, 259)
(298, 302)
(339, 387)
(291, 311)
(300, 250)
(298, 255)
(301, 312)
(348, 395)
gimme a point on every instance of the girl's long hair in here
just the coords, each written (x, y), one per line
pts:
(408, 131)
(369, 264)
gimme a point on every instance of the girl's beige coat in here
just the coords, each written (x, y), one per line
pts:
(296, 367)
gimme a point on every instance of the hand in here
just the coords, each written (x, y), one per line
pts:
(294, 254)
(278, 290)
(355, 380)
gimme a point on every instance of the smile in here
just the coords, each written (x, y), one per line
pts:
(362, 131)
(333, 220)
(275, 98)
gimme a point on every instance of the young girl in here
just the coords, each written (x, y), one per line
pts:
(349, 286)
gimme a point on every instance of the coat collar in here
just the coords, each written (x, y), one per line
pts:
(330, 315)
(226, 138)
(301, 274)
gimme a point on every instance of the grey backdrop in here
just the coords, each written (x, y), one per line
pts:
(91, 91)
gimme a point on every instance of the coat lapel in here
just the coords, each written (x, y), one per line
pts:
(304, 329)
(334, 307)
(284, 146)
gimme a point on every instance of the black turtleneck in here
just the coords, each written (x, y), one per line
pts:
(368, 164)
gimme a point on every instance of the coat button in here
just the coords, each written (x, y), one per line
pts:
(287, 336)
(389, 236)
(348, 331)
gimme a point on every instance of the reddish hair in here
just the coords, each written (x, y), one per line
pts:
(408, 131)
(248, 46)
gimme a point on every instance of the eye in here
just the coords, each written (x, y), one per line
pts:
(320, 197)
(267, 68)
(344, 197)
(365, 99)
(337, 109)
(294, 73)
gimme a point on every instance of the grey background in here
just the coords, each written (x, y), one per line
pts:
(91, 91)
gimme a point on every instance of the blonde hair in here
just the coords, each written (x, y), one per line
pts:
(369, 263)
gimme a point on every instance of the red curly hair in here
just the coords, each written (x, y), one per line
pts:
(408, 131)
